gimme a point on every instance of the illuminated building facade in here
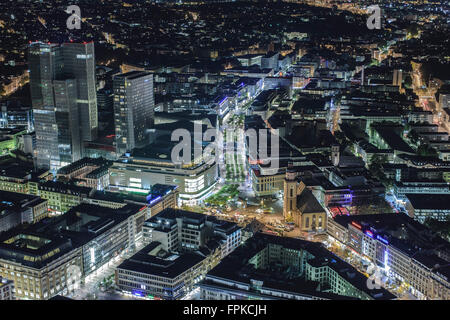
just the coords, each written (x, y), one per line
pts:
(182, 247)
(254, 271)
(402, 248)
(61, 197)
(133, 109)
(62, 81)
(37, 264)
(16, 176)
(153, 165)
(155, 200)
(42, 258)
(180, 230)
(89, 172)
(154, 273)
(6, 289)
(17, 208)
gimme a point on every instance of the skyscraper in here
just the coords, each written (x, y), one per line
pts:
(133, 109)
(62, 82)
(79, 62)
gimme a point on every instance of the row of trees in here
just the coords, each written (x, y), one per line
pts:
(441, 228)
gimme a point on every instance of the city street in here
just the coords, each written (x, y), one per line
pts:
(193, 295)
(427, 98)
(91, 289)
(401, 290)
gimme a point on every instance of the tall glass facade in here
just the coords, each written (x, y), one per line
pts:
(62, 81)
(133, 109)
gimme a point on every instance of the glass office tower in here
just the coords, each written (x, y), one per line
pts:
(62, 82)
(133, 109)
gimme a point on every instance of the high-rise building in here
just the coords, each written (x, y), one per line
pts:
(62, 81)
(79, 62)
(133, 109)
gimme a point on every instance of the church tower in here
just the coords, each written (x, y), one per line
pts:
(290, 192)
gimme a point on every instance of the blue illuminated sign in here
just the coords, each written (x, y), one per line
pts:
(156, 199)
(137, 293)
(382, 240)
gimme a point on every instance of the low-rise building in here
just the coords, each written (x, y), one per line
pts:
(16, 177)
(156, 273)
(9, 139)
(45, 259)
(385, 137)
(402, 249)
(17, 208)
(186, 231)
(102, 233)
(422, 206)
(6, 289)
(181, 248)
(89, 172)
(367, 151)
(37, 264)
(401, 188)
(301, 206)
(268, 267)
(62, 196)
(158, 198)
(153, 165)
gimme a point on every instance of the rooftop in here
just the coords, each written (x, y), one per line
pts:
(393, 139)
(60, 187)
(97, 162)
(155, 261)
(405, 234)
(238, 267)
(430, 201)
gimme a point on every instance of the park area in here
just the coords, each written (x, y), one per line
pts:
(224, 195)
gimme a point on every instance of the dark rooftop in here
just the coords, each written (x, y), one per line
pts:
(236, 267)
(165, 265)
(430, 201)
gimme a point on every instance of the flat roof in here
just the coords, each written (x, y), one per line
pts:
(393, 139)
(400, 231)
(168, 266)
(429, 201)
(237, 268)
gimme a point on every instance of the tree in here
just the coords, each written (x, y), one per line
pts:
(413, 136)
(441, 228)
(427, 151)
(376, 167)
(408, 81)
(413, 29)
(377, 161)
